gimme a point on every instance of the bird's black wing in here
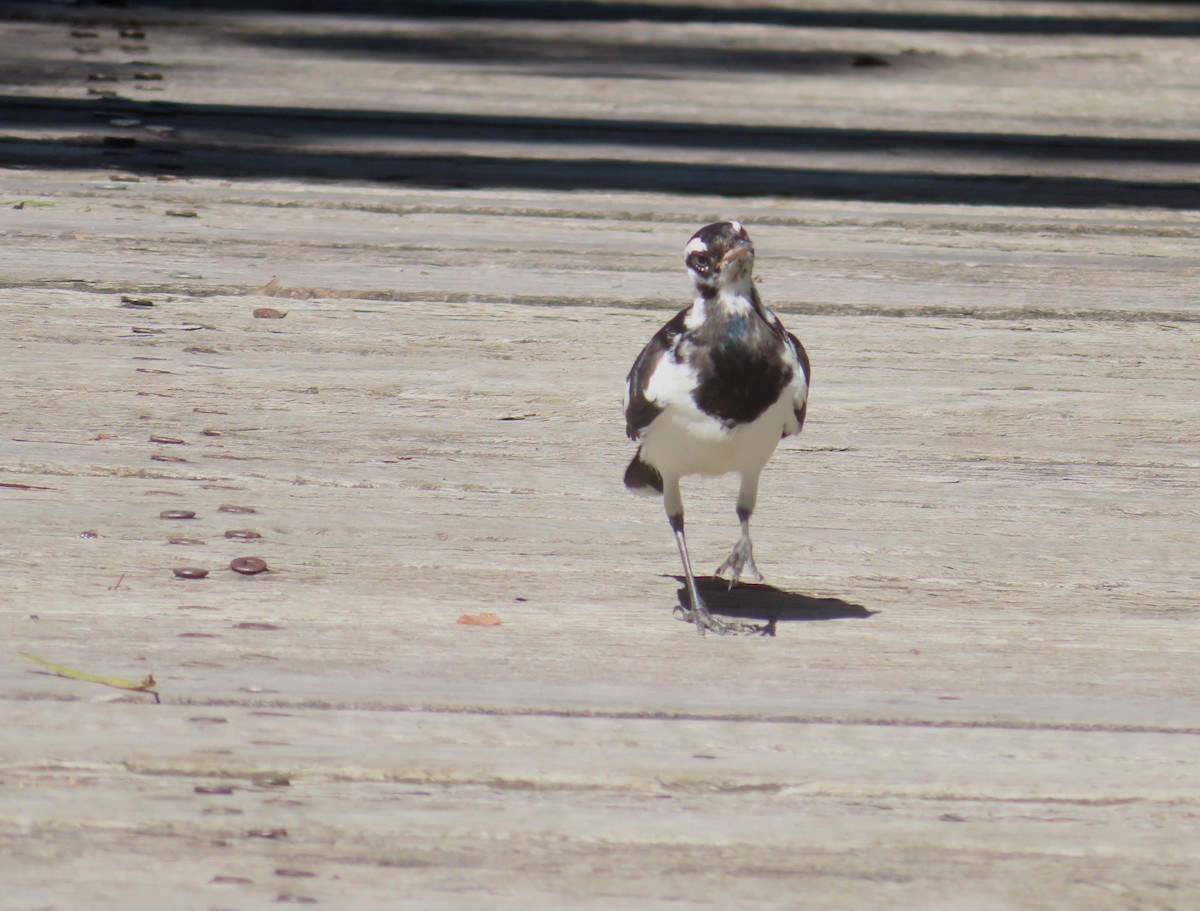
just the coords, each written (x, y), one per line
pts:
(800, 408)
(640, 412)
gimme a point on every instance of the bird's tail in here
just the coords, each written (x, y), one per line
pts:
(641, 476)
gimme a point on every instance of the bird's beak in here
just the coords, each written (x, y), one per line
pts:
(738, 251)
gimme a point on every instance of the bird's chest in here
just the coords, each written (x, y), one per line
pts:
(740, 369)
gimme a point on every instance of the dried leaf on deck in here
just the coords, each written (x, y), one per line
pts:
(270, 289)
(479, 620)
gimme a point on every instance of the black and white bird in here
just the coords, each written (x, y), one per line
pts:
(713, 392)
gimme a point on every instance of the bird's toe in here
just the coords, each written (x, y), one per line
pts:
(707, 623)
(740, 563)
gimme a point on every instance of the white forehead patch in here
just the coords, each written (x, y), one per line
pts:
(695, 245)
(737, 227)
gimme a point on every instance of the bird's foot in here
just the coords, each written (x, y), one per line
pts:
(706, 622)
(739, 563)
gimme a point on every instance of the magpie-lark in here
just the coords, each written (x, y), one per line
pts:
(713, 392)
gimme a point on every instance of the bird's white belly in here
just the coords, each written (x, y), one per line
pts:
(684, 440)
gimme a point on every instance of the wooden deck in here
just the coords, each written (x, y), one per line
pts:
(981, 553)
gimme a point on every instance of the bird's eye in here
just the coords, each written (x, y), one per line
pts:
(700, 262)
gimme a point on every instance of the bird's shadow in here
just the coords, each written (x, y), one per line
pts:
(766, 604)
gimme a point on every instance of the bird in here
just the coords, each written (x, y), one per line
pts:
(713, 392)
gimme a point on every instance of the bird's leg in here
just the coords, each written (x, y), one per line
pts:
(698, 611)
(741, 559)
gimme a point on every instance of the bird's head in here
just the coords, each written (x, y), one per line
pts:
(720, 256)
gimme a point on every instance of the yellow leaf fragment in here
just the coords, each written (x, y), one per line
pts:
(145, 685)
